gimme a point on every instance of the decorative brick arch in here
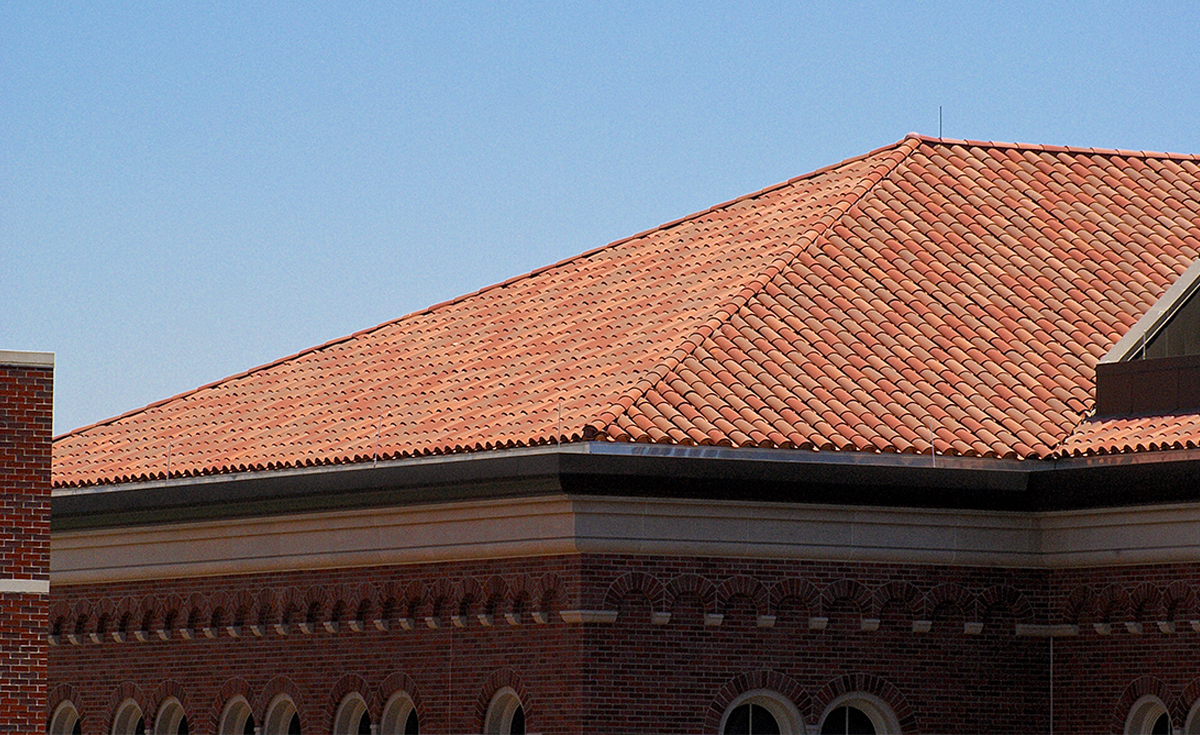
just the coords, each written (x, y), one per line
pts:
(230, 689)
(199, 611)
(521, 591)
(393, 684)
(1077, 605)
(1188, 698)
(774, 681)
(318, 604)
(440, 599)
(905, 593)
(497, 680)
(1002, 597)
(172, 613)
(162, 693)
(1179, 602)
(82, 618)
(846, 589)
(292, 607)
(63, 693)
(1145, 602)
(471, 597)
(1112, 603)
(345, 686)
(636, 582)
(412, 599)
(948, 595)
(868, 684)
(793, 588)
(744, 586)
(126, 690)
(1138, 688)
(279, 685)
(550, 593)
(126, 615)
(692, 584)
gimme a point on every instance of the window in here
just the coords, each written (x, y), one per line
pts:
(237, 719)
(761, 712)
(1148, 716)
(282, 717)
(399, 716)
(129, 719)
(65, 721)
(352, 717)
(171, 720)
(859, 714)
(506, 715)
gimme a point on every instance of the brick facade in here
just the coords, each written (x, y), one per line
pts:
(26, 392)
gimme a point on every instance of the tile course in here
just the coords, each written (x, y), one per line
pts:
(935, 295)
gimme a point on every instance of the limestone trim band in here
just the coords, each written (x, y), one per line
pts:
(25, 586)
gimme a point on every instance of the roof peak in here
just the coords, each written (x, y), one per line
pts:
(1040, 148)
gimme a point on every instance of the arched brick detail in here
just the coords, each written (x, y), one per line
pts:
(149, 614)
(641, 582)
(398, 682)
(1179, 602)
(104, 617)
(440, 598)
(343, 687)
(793, 588)
(1138, 688)
(946, 596)
(293, 606)
(550, 593)
(743, 585)
(172, 613)
(230, 689)
(161, 693)
(364, 603)
(199, 611)
(692, 584)
(1112, 604)
(1188, 697)
(786, 686)
(521, 591)
(127, 615)
(264, 608)
(870, 684)
(243, 608)
(1077, 605)
(61, 619)
(1145, 603)
(283, 685)
(904, 593)
(389, 599)
(846, 589)
(343, 603)
(1003, 597)
(496, 681)
(125, 690)
(412, 599)
(220, 611)
(82, 617)
(62, 693)
(318, 604)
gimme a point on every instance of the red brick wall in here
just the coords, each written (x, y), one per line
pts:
(25, 429)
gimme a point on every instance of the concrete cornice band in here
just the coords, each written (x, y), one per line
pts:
(25, 586)
(26, 359)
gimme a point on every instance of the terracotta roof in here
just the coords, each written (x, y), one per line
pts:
(950, 293)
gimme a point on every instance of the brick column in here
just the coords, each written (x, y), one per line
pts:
(26, 391)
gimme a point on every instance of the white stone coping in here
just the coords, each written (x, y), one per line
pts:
(26, 359)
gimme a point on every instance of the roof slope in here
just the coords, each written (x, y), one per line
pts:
(932, 292)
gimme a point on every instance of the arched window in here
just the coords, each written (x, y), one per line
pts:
(352, 717)
(129, 719)
(1148, 716)
(171, 719)
(399, 716)
(65, 720)
(282, 717)
(859, 713)
(505, 715)
(761, 712)
(237, 718)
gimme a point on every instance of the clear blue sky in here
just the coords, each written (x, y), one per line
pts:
(191, 189)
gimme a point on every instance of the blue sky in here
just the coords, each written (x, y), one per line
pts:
(191, 189)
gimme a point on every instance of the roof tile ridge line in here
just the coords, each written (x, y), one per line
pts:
(1038, 147)
(725, 311)
(470, 295)
(658, 228)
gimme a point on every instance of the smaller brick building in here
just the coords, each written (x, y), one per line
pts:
(910, 444)
(26, 411)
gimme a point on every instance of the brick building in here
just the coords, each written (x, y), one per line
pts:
(908, 444)
(26, 409)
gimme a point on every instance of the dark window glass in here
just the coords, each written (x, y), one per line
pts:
(364, 724)
(78, 729)
(410, 725)
(751, 719)
(294, 725)
(518, 722)
(1162, 726)
(183, 728)
(249, 727)
(140, 727)
(848, 721)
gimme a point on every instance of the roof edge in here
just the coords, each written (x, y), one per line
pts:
(1036, 147)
